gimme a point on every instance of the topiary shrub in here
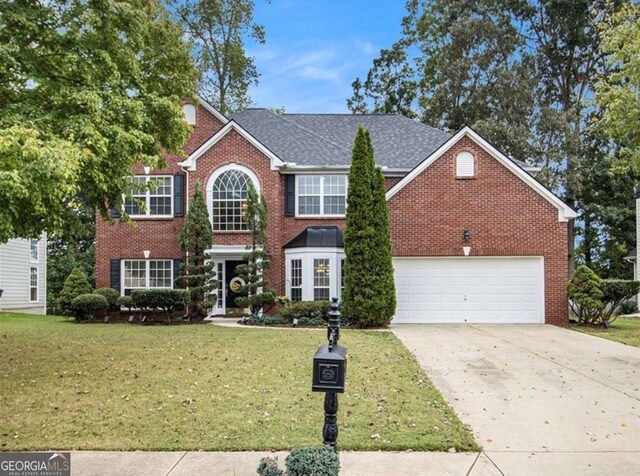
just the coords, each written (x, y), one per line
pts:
(75, 285)
(111, 295)
(125, 301)
(614, 293)
(585, 295)
(306, 309)
(312, 461)
(628, 307)
(269, 467)
(86, 306)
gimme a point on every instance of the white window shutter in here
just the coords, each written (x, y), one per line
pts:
(465, 165)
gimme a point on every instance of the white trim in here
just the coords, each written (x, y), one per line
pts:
(190, 162)
(565, 212)
(37, 286)
(307, 255)
(148, 196)
(217, 114)
(214, 176)
(146, 273)
(321, 196)
(31, 258)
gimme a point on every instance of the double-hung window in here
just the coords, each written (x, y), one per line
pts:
(33, 251)
(33, 284)
(296, 280)
(146, 274)
(156, 201)
(321, 195)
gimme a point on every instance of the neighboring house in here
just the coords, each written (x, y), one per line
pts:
(632, 257)
(23, 276)
(449, 197)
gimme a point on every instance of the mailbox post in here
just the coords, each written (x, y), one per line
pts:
(329, 373)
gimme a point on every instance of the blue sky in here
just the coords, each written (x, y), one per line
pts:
(315, 49)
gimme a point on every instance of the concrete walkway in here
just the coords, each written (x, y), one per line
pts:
(540, 399)
(105, 463)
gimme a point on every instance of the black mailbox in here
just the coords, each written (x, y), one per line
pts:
(329, 369)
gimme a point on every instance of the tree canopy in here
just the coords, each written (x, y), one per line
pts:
(87, 90)
(217, 30)
(523, 74)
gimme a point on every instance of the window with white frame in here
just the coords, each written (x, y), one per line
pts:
(33, 284)
(296, 280)
(154, 201)
(465, 164)
(146, 274)
(321, 195)
(342, 261)
(313, 274)
(321, 279)
(33, 250)
(229, 200)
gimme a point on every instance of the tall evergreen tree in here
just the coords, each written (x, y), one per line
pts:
(365, 262)
(257, 259)
(198, 272)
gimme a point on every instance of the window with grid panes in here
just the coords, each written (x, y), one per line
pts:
(229, 201)
(321, 195)
(321, 279)
(157, 201)
(296, 280)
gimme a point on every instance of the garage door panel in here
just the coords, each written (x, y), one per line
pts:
(469, 289)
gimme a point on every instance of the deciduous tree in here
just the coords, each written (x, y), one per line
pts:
(87, 90)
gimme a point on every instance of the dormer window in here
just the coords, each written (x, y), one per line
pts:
(190, 114)
(465, 165)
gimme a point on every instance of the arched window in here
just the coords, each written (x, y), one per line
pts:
(229, 200)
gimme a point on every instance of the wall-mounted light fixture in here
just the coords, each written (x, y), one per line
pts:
(466, 235)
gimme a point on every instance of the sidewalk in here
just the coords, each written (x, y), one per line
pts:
(352, 463)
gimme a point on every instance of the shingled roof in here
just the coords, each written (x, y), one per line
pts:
(327, 139)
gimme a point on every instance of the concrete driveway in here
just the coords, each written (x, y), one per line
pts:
(540, 399)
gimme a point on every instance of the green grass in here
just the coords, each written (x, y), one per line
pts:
(124, 387)
(624, 329)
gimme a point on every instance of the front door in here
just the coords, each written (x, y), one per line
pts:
(232, 283)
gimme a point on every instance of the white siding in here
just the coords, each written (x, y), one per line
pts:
(15, 269)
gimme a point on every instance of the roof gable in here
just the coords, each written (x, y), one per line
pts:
(190, 162)
(565, 212)
(212, 110)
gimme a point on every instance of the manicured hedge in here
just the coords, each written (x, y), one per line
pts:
(86, 306)
(306, 309)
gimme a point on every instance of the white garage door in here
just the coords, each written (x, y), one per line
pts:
(469, 289)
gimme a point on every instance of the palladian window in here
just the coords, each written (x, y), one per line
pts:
(229, 201)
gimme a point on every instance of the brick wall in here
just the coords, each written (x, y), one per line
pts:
(504, 216)
(160, 236)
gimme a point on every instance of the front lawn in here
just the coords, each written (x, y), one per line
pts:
(623, 329)
(130, 387)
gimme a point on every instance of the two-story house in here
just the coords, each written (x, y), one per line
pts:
(476, 238)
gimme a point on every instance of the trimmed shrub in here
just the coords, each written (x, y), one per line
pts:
(75, 285)
(86, 306)
(312, 461)
(628, 307)
(307, 309)
(269, 467)
(169, 300)
(614, 293)
(585, 295)
(125, 301)
(312, 321)
(111, 295)
(266, 321)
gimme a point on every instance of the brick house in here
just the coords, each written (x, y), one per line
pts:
(476, 238)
